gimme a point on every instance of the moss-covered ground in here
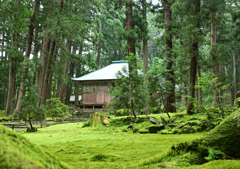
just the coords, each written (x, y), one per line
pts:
(101, 147)
(18, 152)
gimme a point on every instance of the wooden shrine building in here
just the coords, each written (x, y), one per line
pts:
(95, 85)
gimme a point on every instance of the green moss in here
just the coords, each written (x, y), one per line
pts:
(17, 152)
(226, 136)
(222, 142)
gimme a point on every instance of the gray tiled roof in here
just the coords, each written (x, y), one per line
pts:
(106, 73)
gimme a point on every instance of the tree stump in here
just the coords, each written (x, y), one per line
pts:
(98, 119)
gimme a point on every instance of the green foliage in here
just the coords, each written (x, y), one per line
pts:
(157, 82)
(55, 108)
(211, 93)
(29, 102)
(122, 112)
(86, 123)
(211, 156)
(129, 93)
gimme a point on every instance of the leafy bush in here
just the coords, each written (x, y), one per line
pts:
(211, 93)
(55, 108)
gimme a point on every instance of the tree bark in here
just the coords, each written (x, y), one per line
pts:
(43, 61)
(145, 51)
(99, 47)
(183, 94)
(193, 64)
(10, 103)
(45, 74)
(69, 86)
(129, 27)
(213, 43)
(170, 96)
(49, 73)
(234, 76)
(131, 48)
(63, 85)
(199, 90)
(27, 53)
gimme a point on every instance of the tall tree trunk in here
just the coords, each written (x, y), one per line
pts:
(27, 53)
(10, 103)
(45, 74)
(145, 51)
(43, 61)
(131, 49)
(65, 76)
(49, 73)
(194, 56)
(170, 97)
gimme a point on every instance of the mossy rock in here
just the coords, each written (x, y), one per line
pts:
(135, 130)
(187, 130)
(155, 129)
(226, 136)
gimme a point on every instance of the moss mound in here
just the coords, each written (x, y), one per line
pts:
(226, 136)
(223, 142)
(17, 152)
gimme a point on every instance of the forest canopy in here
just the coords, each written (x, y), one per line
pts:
(189, 50)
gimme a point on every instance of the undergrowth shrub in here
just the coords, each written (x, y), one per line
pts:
(55, 108)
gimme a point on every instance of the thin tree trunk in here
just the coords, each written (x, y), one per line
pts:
(183, 97)
(193, 65)
(213, 43)
(99, 53)
(99, 47)
(76, 92)
(54, 88)
(69, 86)
(27, 53)
(234, 76)
(170, 97)
(199, 90)
(35, 55)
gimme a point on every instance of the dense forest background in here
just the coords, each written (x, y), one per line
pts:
(190, 49)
